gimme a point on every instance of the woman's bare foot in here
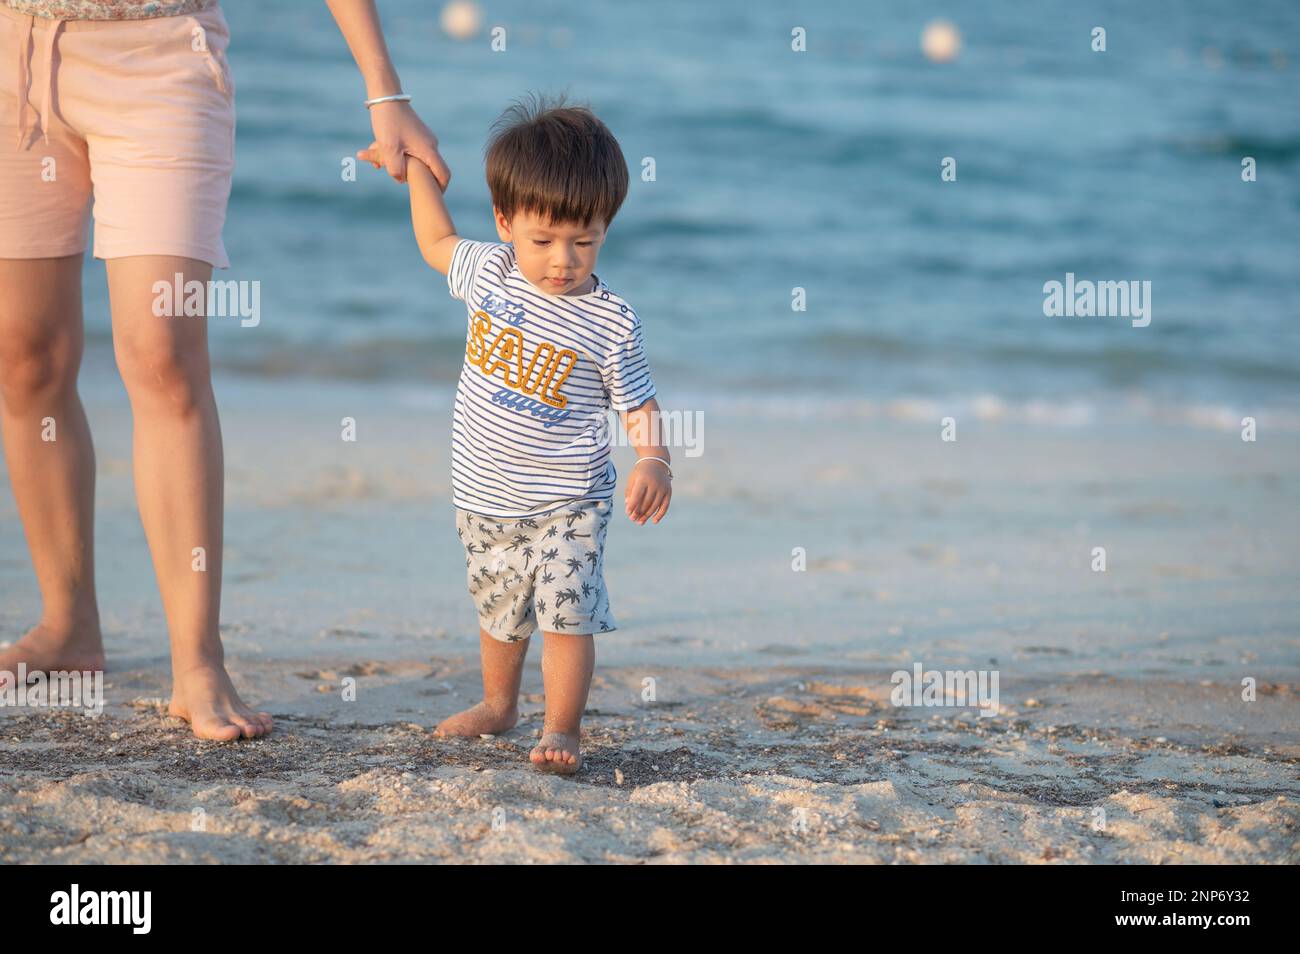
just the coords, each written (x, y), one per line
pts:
(557, 752)
(48, 649)
(205, 697)
(482, 719)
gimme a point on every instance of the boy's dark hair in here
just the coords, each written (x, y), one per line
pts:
(557, 161)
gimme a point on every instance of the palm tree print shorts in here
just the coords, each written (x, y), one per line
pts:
(542, 572)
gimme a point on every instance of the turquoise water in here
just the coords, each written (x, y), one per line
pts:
(820, 170)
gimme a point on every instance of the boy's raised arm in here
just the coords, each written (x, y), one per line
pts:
(434, 231)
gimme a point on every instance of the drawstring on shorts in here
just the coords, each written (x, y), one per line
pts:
(25, 78)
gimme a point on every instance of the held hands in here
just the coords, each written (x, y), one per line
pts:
(373, 155)
(400, 133)
(649, 489)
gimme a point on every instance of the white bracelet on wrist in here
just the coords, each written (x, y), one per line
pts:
(661, 460)
(395, 98)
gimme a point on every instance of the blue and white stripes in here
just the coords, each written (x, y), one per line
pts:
(541, 372)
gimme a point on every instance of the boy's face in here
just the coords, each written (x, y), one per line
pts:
(557, 257)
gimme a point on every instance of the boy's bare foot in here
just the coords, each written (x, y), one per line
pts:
(557, 752)
(482, 719)
(205, 697)
(46, 649)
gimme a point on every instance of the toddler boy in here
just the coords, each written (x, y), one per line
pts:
(549, 350)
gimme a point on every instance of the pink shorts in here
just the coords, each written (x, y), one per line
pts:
(138, 114)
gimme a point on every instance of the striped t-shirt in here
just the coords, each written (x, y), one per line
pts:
(530, 430)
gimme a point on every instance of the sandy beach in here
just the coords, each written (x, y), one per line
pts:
(742, 713)
(777, 764)
(977, 340)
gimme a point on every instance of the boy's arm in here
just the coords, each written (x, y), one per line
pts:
(649, 487)
(434, 231)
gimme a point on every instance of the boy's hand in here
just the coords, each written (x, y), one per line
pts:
(649, 490)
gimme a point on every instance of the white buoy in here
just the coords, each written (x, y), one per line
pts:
(940, 41)
(461, 19)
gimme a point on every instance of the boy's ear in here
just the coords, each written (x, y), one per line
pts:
(503, 225)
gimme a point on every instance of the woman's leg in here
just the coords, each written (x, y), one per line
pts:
(178, 483)
(50, 458)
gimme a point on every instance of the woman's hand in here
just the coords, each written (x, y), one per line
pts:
(399, 133)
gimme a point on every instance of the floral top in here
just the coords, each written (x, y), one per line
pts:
(108, 9)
